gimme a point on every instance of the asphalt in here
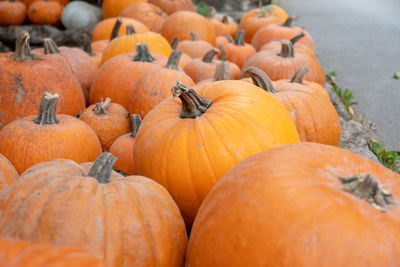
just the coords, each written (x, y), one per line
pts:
(360, 41)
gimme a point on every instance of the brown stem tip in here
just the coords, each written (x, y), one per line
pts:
(22, 48)
(130, 30)
(143, 53)
(50, 47)
(299, 75)
(194, 36)
(115, 30)
(222, 72)
(208, 57)
(287, 49)
(101, 108)
(173, 60)
(174, 42)
(102, 167)
(260, 79)
(240, 38)
(47, 110)
(86, 44)
(136, 122)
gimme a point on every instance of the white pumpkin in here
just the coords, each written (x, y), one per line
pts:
(79, 14)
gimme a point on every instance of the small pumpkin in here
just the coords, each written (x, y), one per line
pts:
(45, 12)
(100, 45)
(251, 25)
(297, 199)
(33, 139)
(105, 29)
(224, 26)
(123, 146)
(29, 2)
(79, 14)
(239, 51)
(108, 120)
(267, 10)
(8, 176)
(111, 8)
(125, 221)
(12, 12)
(194, 48)
(185, 58)
(172, 6)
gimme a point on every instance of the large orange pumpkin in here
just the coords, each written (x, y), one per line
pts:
(25, 77)
(8, 176)
(45, 12)
(182, 23)
(107, 29)
(188, 145)
(172, 6)
(305, 204)
(127, 221)
(12, 12)
(111, 8)
(33, 139)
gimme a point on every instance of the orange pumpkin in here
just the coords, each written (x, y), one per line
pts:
(8, 176)
(172, 6)
(194, 48)
(150, 15)
(280, 32)
(239, 51)
(299, 48)
(25, 77)
(29, 2)
(45, 12)
(100, 45)
(154, 85)
(315, 116)
(107, 28)
(115, 78)
(123, 146)
(185, 58)
(111, 8)
(108, 120)
(207, 133)
(251, 25)
(282, 64)
(182, 23)
(268, 10)
(33, 139)
(12, 12)
(18, 253)
(126, 221)
(222, 72)
(304, 204)
(224, 26)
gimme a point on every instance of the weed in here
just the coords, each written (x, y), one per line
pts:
(390, 159)
(346, 95)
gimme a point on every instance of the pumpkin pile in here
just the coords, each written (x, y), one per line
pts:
(174, 139)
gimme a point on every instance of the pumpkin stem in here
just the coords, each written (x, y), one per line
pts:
(173, 60)
(240, 38)
(299, 75)
(288, 22)
(366, 187)
(208, 57)
(130, 30)
(225, 20)
(101, 108)
(260, 79)
(222, 72)
(143, 53)
(223, 53)
(194, 36)
(174, 42)
(297, 38)
(47, 110)
(136, 122)
(287, 49)
(115, 30)
(22, 47)
(230, 39)
(87, 45)
(50, 47)
(102, 167)
(193, 104)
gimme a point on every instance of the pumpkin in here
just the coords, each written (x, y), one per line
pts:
(18, 253)
(282, 64)
(239, 52)
(280, 32)
(224, 26)
(29, 2)
(115, 78)
(304, 204)
(126, 221)
(123, 146)
(45, 12)
(150, 15)
(111, 8)
(8, 176)
(299, 48)
(100, 45)
(185, 58)
(104, 29)
(79, 14)
(24, 77)
(12, 12)
(194, 48)
(267, 10)
(223, 40)
(127, 44)
(87, 47)
(315, 116)
(33, 139)
(182, 23)
(251, 25)
(187, 146)
(108, 120)
(172, 6)
(222, 72)
(155, 85)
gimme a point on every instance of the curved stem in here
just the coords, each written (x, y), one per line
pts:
(222, 72)
(102, 167)
(173, 60)
(297, 38)
(101, 108)
(194, 36)
(225, 20)
(22, 47)
(288, 22)
(223, 53)
(174, 42)
(130, 30)
(287, 49)
(47, 110)
(230, 39)
(193, 104)
(87, 45)
(299, 75)
(143, 53)
(50, 47)
(115, 30)
(366, 187)
(260, 79)
(208, 57)
(136, 122)
(240, 38)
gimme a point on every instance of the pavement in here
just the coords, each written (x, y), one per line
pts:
(360, 41)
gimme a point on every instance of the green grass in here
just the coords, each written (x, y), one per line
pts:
(203, 8)
(390, 159)
(346, 95)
